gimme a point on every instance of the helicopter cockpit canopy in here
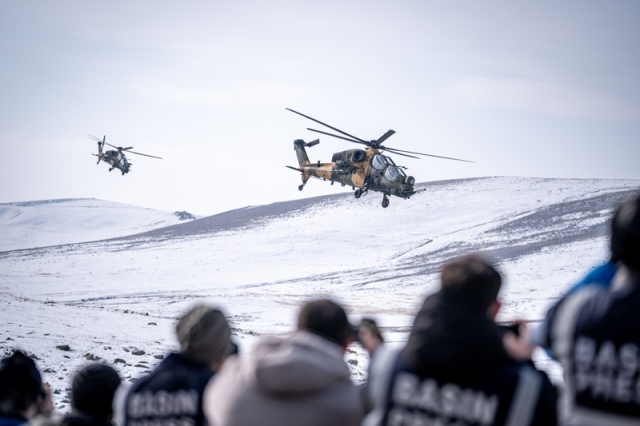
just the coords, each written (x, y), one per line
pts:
(379, 162)
(391, 173)
(120, 159)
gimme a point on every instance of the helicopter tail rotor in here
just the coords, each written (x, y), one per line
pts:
(299, 147)
(101, 143)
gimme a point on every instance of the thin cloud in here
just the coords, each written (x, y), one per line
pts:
(234, 94)
(538, 97)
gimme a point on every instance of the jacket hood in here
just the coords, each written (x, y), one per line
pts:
(452, 339)
(301, 363)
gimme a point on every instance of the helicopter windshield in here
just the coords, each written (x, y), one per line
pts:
(390, 160)
(391, 173)
(401, 172)
(379, 162)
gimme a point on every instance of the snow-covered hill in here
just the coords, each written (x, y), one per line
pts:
(54, 222)
(261, 263)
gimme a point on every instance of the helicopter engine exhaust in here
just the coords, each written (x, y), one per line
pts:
(350, 156)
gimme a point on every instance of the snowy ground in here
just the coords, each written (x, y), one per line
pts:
(54, 222)
(260, 264)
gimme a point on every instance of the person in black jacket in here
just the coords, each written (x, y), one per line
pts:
(454, 368)
(172, 393)
(594, 331)
(22, 394)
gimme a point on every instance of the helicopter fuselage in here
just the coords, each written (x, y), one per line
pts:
(366, 169)
(116, 159)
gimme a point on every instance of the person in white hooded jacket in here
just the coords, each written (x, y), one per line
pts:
(300, 380)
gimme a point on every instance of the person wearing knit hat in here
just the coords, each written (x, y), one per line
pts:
(205, 334)
(92, 395)
(173, 391)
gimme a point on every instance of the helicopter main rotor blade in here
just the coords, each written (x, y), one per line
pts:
(397, 151)
(326, 125)
(126, 149)
(336, 136)
(95, 138)
(113, 146)
(146, 155)
(402, 150)
(386, 136)
(404, 155)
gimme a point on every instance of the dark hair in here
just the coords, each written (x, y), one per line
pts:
(20, 384)
(93, 390)
(325, 318)
(474, 279)
(625, 234)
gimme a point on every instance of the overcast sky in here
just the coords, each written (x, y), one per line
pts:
(544, 89)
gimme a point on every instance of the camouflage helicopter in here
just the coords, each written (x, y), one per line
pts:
(116, 158)
(362, 169)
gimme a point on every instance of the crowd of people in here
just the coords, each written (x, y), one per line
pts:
(458, 366)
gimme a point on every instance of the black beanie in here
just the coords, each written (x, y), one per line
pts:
(625, 235)
(93, 389)
(20, 382)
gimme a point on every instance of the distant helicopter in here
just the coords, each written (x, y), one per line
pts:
(116, 159)
(363, 170)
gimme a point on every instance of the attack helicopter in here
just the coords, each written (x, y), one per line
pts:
(363, 169)
(116, 158)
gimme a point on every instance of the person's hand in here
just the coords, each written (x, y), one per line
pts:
(368, 340)
(519, 347)
(45, 404)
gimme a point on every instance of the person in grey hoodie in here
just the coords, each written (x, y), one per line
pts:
(300, 380)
